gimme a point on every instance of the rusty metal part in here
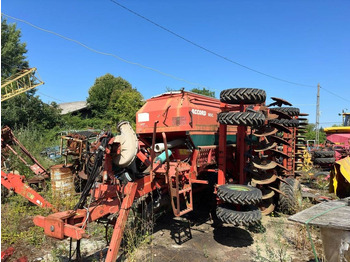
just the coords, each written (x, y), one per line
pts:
(267, 210)
(267, 193)
(303, 114)
(266, 181)
(265, 131)
(62, 180)
(279, 140)
(279, 102)
(271, 116)
(263, 164)
(263, 146)
(280, 153)
(281, 127)
(282, 115)
(8, 140)
(277, 190)
(282, 167)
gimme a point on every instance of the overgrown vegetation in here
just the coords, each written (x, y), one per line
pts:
(311, 133)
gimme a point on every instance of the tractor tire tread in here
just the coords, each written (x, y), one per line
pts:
(286, 122)
(241, 118)
(288, 203)
(238, 218)
(291, 111)
(251, 197)
(243, 95)
(324, 160)
(323, 154)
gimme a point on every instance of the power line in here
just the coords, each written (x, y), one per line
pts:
(51, 97)
(156, 70)
(208, 50)
(104, 53)
(334, 94)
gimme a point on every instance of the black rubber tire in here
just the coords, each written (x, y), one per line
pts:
(249, 215)
(321, 154)
(291, 111)
(326, 160)
(239, 194)
(286, 122)
(243, 95)
(291, 202)
(241, 118)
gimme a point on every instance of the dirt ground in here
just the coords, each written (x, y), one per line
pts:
(276, 240)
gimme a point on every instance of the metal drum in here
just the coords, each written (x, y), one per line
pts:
(62, 181)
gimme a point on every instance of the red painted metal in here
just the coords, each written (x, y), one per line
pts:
(222, 154)
(130, 190)
(6, 254)
(16, 183)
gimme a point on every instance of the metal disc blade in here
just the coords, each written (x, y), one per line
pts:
(282, 167)
(279, 102)
(266, 181)
(280, 153)
(267, 210)
(267, 193)
(265, 146)
(265, 131)
(281, 114)
(279, 140)
(264, 165)
(280, 127)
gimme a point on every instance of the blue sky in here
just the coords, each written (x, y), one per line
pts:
(300, 41)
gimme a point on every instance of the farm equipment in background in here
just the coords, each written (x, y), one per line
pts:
(243, 152)
(10, 144)
(334, 157)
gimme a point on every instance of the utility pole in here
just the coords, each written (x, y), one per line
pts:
(317, 139)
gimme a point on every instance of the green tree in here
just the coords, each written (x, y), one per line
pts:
(311, 133)
(114, 99)
(100, 93)
(12, 50)
(25, 109)
(203, 91)
(124, 106)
